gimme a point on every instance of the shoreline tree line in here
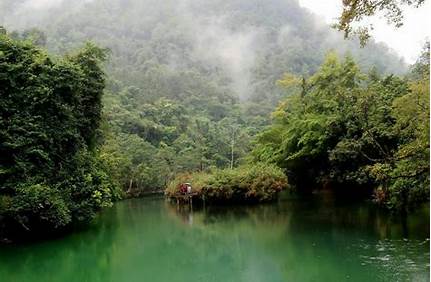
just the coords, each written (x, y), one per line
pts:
(79, 130)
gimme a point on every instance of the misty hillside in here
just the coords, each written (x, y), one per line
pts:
(258, 143)
(190, 83)
(244, 46)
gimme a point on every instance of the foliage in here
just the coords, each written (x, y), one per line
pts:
(146, 150)
(359, 130)
(357, 10)
(50, 173)
(36, 36)
(258, 182)
(190, 84)
(405, 178)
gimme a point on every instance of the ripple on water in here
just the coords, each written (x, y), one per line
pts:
(402, 260)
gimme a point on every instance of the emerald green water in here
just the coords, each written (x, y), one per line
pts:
(150, 240)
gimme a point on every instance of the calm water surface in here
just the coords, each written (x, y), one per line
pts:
(150, 240)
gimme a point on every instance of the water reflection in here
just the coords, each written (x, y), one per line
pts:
(358, 242)
(152, 240)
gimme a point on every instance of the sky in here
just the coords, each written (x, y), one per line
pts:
(407, 40)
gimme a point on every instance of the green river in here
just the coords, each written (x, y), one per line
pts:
(292, 240)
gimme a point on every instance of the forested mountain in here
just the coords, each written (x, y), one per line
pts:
(189, 82)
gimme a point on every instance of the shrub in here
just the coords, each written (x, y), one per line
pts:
(256, 183)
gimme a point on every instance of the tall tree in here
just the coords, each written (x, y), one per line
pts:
(356, 131)
(50, 173)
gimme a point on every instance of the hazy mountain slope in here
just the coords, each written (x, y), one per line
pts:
(190, 83)
(245, 45)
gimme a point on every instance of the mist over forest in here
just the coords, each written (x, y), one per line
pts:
(242, 45)
(210, 140)
(189, 83)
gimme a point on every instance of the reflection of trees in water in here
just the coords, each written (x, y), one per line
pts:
(315, 215)
(286, 241)
(71, 258)
(296, 235)
(336, 235)
(328, 212)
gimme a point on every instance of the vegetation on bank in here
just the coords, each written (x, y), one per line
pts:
(171, 108)
(50, 169)
(353, 129)
(188, 85)
(248, 183)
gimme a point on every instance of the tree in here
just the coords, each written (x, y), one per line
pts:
(174, 98)
(35, 35)
(50, 173)
(357, 10)
(404, 178)
(355, 132)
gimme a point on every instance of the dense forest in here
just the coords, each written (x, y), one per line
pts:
(193, 87)
(356, 130)
(51, 173)
(190, 83)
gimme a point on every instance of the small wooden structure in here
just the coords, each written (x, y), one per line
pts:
(185, 197)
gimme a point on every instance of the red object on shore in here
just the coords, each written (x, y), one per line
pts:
(183, 188)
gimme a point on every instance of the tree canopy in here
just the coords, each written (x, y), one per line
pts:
(50, 112)
(188, 87)
(357, 129)
(189, 84)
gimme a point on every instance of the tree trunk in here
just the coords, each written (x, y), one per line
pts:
(232, 149)
(130, 186)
